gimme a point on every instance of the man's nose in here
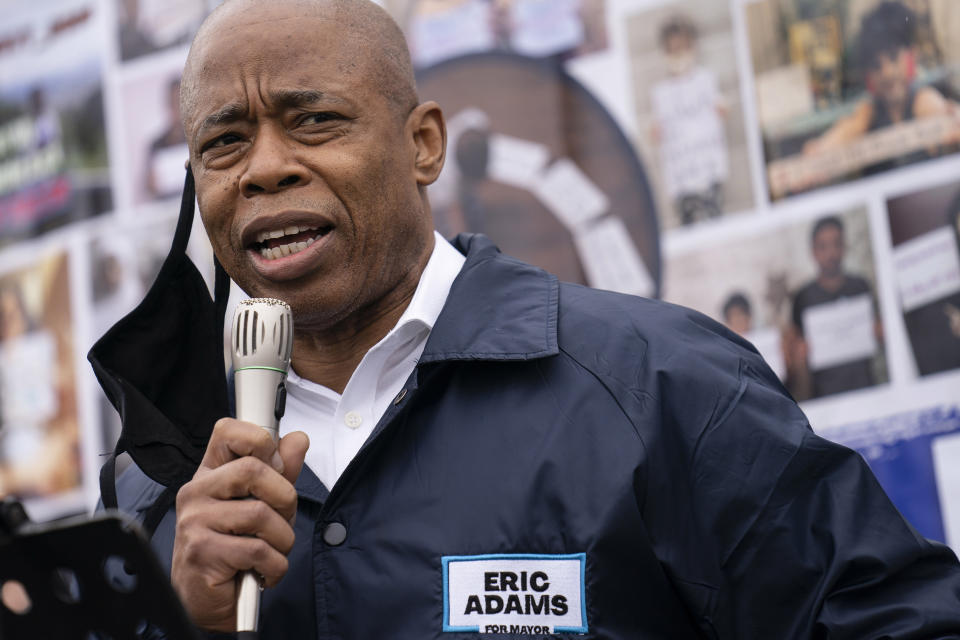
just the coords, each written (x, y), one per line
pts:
(272, 166)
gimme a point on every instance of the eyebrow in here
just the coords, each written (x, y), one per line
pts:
(283, 98)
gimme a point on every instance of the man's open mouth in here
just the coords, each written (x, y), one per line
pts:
(278, 243)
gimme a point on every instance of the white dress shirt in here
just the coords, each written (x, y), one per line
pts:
(339, 424)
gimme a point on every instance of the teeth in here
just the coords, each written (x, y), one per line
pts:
(285, 249)
(263, 236)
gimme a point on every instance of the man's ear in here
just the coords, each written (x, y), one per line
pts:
(430, 138)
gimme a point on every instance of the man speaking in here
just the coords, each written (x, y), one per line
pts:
(491, 451)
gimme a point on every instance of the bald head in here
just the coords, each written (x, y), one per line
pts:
(372, 43)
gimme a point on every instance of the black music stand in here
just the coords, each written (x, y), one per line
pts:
(87, 579)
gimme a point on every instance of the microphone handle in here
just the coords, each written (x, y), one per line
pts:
(260, 399)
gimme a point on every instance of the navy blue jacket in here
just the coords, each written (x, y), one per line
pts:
(646, 442)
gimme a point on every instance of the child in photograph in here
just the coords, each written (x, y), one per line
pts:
(887, 53)
(737, 314)
(689, 111)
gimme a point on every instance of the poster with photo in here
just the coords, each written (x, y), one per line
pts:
(438, 30)
(689, 111)
(925, 232)
(535, 162)
(39, 448)
(124, 261)
(156, 147)
(146, 26)
(847, 89)
(914, 456)
(804, 294)
(53, 151)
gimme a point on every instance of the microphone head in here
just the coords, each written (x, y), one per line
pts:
(262, 335)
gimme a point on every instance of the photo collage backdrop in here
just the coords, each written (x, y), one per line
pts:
(786, 167)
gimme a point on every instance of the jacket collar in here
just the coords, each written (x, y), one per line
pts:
(498, 309)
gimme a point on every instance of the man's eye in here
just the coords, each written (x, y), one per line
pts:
(319, 118)
(222, 141)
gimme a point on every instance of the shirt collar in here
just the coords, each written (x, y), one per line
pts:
(434, 287)
(425, 306)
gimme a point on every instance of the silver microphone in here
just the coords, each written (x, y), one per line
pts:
(261, 343)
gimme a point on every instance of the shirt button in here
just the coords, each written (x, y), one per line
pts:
(352, 419)
(334, 534)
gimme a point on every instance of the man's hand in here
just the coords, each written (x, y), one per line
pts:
(218, 536)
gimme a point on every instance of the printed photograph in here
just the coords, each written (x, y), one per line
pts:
(53, 150)
(804, 294)
(689, 112)
(146, 26)
(39, 450)
(853, 88)
(438, 30)
(155, 143)
(925, 232)
(535, 162)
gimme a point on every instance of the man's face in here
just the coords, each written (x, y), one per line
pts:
(828, 249)
(889, 78)
(738, 320)
(305, 173)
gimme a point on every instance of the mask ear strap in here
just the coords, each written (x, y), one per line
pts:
(185, 221)
(221, 282)
(221, 293)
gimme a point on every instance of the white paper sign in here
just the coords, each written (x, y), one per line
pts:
(545, 27)
(611, 260)
(168, 170)
(840, 332)
(946, 453)
(928, 268)
(693, 146)
(570, 195)
(516, 162)
(522, 594)
(452, 31)
(767, 342)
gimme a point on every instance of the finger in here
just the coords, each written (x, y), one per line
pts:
(220, 557)
(242, 518)
(293, 449)
(243, 478)
(232, 439)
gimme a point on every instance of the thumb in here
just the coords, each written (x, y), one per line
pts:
(293, 448)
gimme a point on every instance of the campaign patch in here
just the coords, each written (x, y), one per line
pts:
(525, 594)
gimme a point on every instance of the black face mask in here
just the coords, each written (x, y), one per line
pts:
(162, 367)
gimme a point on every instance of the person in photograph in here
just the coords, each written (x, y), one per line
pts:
(688, 129)
(737, 314)
(887, 56)
(46, 120)
(167, 151)
(934, 327)
(832, 283)
(33, 456)
(134, 41)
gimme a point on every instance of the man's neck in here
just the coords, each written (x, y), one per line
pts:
(329, 357)
(831, 282)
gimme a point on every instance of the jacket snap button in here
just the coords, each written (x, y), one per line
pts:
(400, 396)
(335, 534)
